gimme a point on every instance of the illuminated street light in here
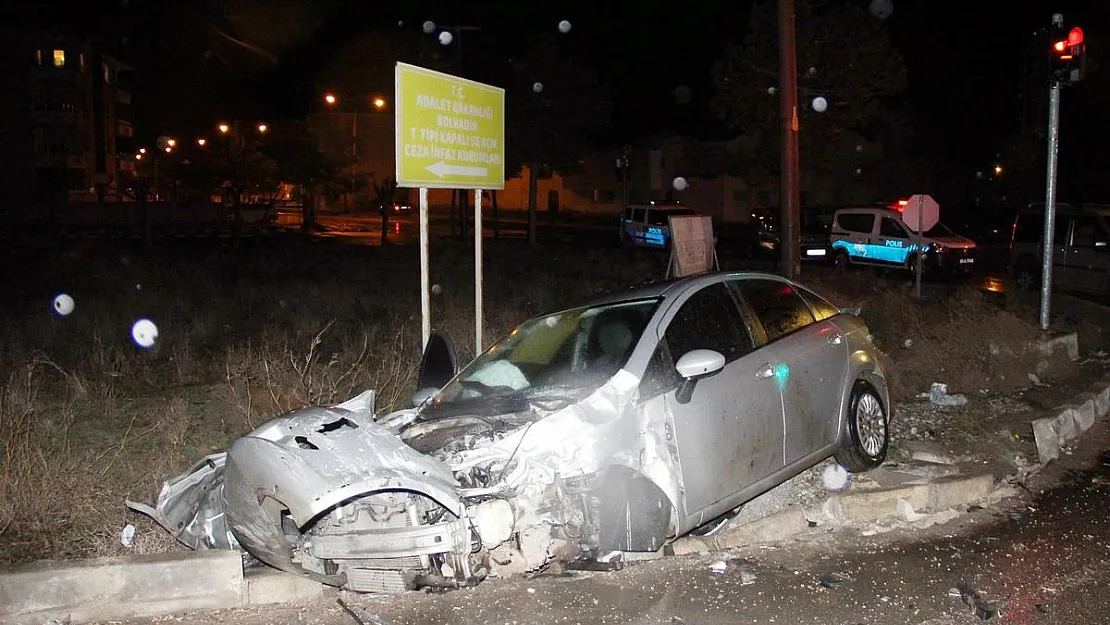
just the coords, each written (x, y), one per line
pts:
(169, 149)
(263, 128)
(139, 156)
(223, 128)
(379, 102)
(171, 142)
(201, 141)
(330, 98)
(142, 150)
(998, 170)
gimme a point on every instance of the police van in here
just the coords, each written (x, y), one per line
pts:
(648, 225)
(879, 237)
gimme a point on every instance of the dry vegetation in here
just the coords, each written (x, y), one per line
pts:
(87, 418)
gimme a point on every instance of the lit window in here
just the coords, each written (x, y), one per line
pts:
(38, 57)
(81, 63)
(59, 58)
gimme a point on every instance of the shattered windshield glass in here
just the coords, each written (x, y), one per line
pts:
(549, 361)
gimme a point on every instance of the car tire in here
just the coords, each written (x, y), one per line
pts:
(867, 432)
(1027, 275)
(841, 262)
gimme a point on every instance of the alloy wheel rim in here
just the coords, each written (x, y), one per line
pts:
(871, 424)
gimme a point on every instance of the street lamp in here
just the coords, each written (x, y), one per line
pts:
(223, 128)
(263, 128)
(171, 143)
(139, 156)
(379, 102)
(998, 170)
(201, 141)
(330, 98)
(142, 150)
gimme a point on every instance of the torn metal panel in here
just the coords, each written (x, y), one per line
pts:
(190, 506)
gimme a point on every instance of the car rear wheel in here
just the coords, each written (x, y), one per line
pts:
(865, 441)
(841, 261)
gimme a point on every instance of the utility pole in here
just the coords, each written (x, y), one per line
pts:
(789, 193)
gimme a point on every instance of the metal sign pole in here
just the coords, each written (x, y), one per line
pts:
(477, 272)
(425, 301)
(1050, 202)
(920, 255)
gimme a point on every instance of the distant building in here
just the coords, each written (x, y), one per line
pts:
(64, 122)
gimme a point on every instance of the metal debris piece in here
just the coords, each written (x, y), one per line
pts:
(832, 580)
(972, 599)
(361, 616)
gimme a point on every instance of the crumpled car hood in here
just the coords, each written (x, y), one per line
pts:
(309, 460)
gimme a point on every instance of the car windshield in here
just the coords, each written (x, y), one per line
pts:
(939, 230)
(552, 360)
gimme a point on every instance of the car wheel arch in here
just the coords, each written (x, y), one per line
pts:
(634, 512)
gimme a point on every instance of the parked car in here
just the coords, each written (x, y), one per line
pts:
(879, 237)
(1081, 247)
(403, 206)
(613, 427)
(814, 226)
(648, 225)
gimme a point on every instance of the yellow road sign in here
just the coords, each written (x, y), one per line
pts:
(450, 131)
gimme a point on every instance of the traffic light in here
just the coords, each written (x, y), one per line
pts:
(1068, 53)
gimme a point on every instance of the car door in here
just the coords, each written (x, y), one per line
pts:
(807, 358)
(1088, 256)
(729, 434)
(852, 233)
(893, 244)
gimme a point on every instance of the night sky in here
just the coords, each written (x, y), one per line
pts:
(964, 60)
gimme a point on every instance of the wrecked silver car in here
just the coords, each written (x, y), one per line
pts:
(609, 428)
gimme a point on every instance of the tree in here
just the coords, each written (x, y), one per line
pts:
(844, 55)
(384, 193)
(295, 150)
(552, 105)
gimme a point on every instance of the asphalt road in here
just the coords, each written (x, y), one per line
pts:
(1040, 558)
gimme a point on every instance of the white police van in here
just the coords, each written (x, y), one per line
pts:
(879, 237)
(648, 225)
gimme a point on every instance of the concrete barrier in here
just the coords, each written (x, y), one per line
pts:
(124, 587)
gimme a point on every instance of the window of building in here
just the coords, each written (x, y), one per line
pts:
(81, 63)
(38, 58)
(59, 58)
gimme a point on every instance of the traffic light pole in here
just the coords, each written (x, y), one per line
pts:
(789, 226)
(1050, 202)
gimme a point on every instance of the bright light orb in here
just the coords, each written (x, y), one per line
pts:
(445, 38)
(820, 104)
(680, 183)
(537, 87)
(564, 26)
(63, 304)
(428, 27)
(144, 333)
(835, 478)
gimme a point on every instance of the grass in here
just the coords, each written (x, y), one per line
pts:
(88, 419)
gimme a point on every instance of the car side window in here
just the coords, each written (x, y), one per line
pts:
(779, 307)
(660, 375)
(856, 222)
(822, 309)
(710, 319)
(891, 228)
(638, 215)
(1087, 233)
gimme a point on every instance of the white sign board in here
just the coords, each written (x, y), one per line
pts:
(921, 213)
(692, 249)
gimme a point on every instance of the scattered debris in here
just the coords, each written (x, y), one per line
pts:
(1036, 380)
(906, 511)
(938, 396)
(972, 599)
(718, 567)
(832, 580)
(127, 536)
(361, 616)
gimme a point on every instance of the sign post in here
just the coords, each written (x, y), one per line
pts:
(450, 134)
(921, 213)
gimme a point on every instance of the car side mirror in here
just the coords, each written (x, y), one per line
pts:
(693, 366)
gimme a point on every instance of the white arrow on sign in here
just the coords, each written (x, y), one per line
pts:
(442, 169)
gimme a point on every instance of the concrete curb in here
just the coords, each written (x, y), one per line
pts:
(1071, 421)
(142, 586)
(864, 506)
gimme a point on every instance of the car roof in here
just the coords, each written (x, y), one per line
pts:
(869, 209)
(674, 287)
